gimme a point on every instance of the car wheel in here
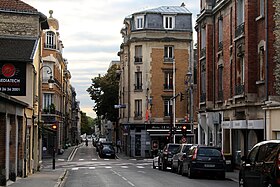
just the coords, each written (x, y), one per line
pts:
(159, 165)
(190, 173)
(163, 166)
(179, 170)
(223, 176)
(241, 182)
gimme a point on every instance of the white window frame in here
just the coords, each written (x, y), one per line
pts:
(168, 107)
(50, 40)
(48, 99)
(261, 6)
(138, 108)
(169, 22)
(139, 22)
(169, 52)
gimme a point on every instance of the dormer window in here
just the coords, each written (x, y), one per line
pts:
(169, 22)
(139, 22)
(50, 40)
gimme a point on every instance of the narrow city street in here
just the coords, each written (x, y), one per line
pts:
(86, 168)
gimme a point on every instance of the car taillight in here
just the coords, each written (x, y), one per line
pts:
(194, 155)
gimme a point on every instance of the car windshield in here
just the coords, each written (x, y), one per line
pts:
(208, 152)
(172, 148)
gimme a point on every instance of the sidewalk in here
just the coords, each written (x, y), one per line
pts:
(45, 177)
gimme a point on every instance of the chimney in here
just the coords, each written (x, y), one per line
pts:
(183, 4)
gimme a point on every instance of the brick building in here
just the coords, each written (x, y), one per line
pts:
(20, 27)
(154, 60)
(235, 73)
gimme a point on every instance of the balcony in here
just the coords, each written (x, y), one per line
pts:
(203, 52)
(202, 97)
(168, 86)
(168, 59)
(138, 59)
(240, 30)
(138, 87)
(220, 95)
(239, 89)
(220, 46)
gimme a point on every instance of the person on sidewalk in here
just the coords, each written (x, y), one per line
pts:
(118, 145)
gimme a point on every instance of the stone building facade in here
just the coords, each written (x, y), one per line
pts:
(155, 58)
(20, 27)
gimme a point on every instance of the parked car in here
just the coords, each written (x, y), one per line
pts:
(204, 159)
(261, 168)
(99, 142)
(165, 156)
(178, 157)
(107, 151)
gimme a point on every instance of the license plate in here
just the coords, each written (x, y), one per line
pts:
(169, 159)
(108, 154)
(209, 165)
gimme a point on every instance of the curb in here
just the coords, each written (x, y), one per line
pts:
(60, 179)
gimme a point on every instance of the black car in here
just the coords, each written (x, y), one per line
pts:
(261, 168)
(107, 151)
(204, 160)
(166, 155)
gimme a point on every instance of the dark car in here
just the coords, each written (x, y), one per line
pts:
(166, 155)
(261, 168)
(107, 151)
(178, 157)
(204, 160)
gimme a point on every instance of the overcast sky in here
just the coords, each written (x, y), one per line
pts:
(90, 33)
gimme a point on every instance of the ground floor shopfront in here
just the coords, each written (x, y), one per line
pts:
(144, 140)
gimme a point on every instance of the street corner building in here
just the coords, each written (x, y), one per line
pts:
(155, 57)
(20, 27)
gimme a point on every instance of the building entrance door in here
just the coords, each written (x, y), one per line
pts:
(137, 145)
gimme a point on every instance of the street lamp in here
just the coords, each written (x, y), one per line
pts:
(50, 83)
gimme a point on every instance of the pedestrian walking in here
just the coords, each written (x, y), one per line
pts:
(118, 145)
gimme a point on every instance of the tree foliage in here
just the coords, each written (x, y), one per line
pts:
(104, 92)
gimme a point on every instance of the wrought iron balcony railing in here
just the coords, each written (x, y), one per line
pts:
(138, 59)
(240, 29)
(239, 89)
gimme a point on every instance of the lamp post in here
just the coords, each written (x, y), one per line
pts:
(50, 82)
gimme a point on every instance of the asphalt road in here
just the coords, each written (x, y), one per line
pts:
(86, 169)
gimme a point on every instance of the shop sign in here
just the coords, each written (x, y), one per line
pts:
(13, 78)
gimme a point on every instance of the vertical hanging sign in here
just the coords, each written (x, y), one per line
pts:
(13, 78)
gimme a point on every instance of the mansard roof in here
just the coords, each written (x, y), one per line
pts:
(16, 6)
(167, 10)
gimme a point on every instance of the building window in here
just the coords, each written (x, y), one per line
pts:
(168, 53)
(261, 8)
(261, 64)
(138, 80)
(168, 80)
(167, 108)
(138, 54)
(168, 22)
(239, 87)
(220, 83)
(50, 40)
(139, 20)
(138, 108)
(203, 38)
(220, 47)
(47, 101)
(203, 81)
(240, 12)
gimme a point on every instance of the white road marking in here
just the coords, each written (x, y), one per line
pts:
(130, 183)
(91, 168)
(94, 159)
(106, 159)
(140, 167)
(108, 167)
(124, 178)
(81, 159)
(124, 166)
(74, 169)
(61, 159)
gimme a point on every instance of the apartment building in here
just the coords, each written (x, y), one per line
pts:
(236, 62)
(20, 29)
(154, 61)
(56, 101)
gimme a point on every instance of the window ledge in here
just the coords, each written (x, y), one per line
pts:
(260, 82)
(259, 17)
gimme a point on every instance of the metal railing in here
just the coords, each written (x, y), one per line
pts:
(240, 29)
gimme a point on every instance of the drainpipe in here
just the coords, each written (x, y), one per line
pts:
(266, 66)
(25, 146)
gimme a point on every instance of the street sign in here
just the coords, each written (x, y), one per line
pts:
(119, 106)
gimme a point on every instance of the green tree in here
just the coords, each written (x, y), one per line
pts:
(104, 92)
(85, 125)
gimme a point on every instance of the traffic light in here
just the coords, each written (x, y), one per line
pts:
(181, 96)
(184, 130)
(54, 127)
